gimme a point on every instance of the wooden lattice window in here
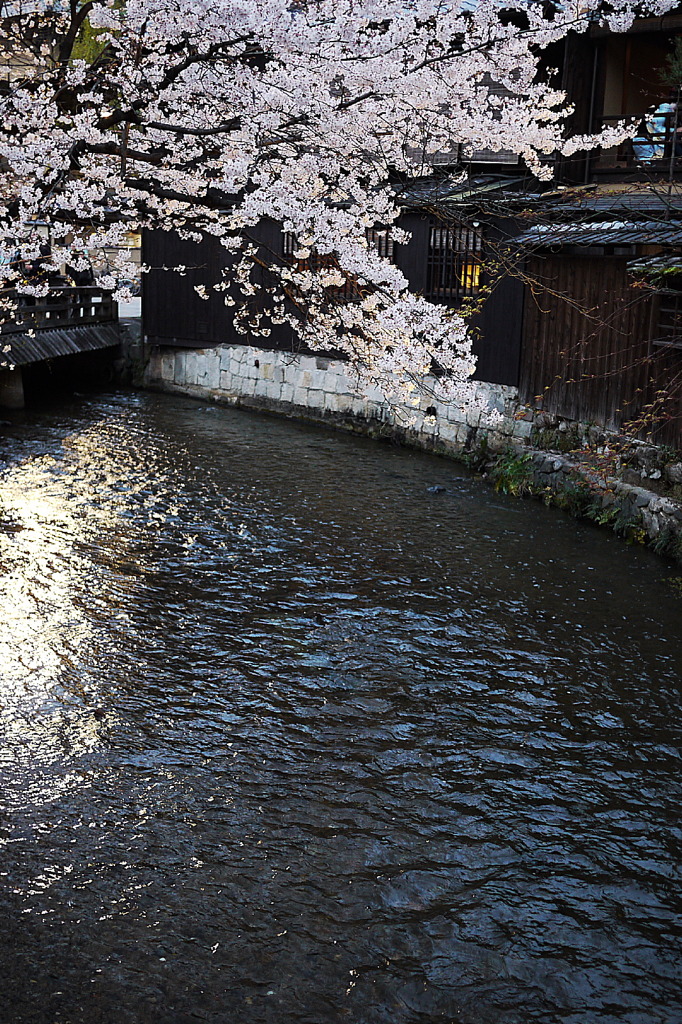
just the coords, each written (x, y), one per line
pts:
(377, 239)
(669, 327)
(381, 242)
(453, 261)
(288, 244)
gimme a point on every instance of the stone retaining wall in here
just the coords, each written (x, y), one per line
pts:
(636, 513)
(319, 388)
(314, 387)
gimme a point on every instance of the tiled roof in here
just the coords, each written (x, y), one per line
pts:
(603, 233)
(452, 192)
(629, 198)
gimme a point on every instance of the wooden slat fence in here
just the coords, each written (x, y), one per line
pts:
(588, 353)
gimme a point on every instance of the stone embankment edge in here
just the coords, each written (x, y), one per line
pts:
(498, 436)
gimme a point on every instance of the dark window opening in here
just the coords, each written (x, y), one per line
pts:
(453, 261)
(288, 244)
(377, 239)
(669, 326)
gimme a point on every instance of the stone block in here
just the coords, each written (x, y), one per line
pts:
(287, 392)
(342, 403)
(191, 368)
(168, 366)
(651, 523)
(213, 371)
(454, 413)
(301, 397)
(639, 497)
(179, 369)
(375, 410)
(155, 363)
(373, 394)
(225, 380)
(674, 473)
(663, 505)
(448, 431)
(522, 429)
(321, 381)
(267, 371)
(497, 441)
(496, 404)
(315, 399)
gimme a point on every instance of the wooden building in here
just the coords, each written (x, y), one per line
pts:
(601, 343)
(583, 338)
(454, 239)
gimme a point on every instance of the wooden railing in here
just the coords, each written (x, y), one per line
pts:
(62, 307)
(657, 140)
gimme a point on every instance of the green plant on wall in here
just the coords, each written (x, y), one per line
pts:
(512, 473)
(89, 45)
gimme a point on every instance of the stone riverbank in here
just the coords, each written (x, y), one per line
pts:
(634, 488)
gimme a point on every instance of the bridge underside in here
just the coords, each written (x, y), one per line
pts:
(27, 351)
(21, 349)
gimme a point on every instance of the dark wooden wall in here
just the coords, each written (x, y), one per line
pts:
(172, 311)
(497, 340)
(411, 258)
(174, 314)
(582, 71)
(587, 348)
(498, 327)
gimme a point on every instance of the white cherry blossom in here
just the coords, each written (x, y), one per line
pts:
(206, 116)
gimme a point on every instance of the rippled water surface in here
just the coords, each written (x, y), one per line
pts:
(287, 737)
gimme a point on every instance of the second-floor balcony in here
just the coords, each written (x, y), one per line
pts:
(656, 149)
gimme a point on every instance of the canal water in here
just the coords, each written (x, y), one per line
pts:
(290, 737)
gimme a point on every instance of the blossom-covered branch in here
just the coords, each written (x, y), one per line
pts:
(207, 116)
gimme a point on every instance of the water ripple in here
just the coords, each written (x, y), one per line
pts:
(286, 737)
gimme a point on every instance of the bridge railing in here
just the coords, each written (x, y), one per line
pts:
(63, 306)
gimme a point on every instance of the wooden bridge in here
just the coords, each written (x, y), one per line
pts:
(65, 322)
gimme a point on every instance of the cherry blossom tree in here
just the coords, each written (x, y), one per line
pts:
(206, 116)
